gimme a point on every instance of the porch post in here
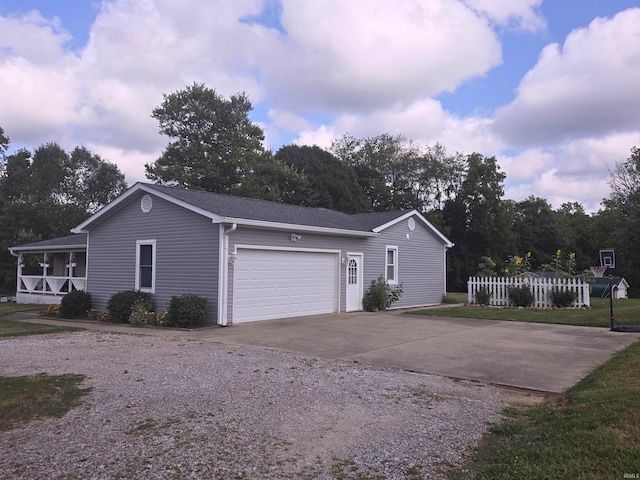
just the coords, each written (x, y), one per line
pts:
(70, 272)
(19, 276)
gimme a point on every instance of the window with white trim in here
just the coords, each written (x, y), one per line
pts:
(391, 265)
(146, 266)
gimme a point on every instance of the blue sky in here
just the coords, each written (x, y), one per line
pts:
(548, 87)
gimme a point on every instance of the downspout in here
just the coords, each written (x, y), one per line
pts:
(225, 274)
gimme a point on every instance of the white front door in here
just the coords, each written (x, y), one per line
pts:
(354, 282)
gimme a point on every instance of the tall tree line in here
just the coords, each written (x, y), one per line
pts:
(214, 146)
(45, 193)
(460, 194)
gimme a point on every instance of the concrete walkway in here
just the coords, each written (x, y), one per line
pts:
(541, 357)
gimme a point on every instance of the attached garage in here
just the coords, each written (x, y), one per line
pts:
(270, 284)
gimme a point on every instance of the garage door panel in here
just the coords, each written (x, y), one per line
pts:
(276, 284)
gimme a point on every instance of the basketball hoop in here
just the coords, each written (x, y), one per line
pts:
(598, 271)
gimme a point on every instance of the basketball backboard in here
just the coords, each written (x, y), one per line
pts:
(608, 258)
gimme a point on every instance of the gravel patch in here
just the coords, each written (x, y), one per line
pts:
(167, 408)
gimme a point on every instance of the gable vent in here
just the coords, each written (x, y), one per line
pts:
(146, 204)
(411, 224)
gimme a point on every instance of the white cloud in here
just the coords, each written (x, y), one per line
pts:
(527, 164)
(589, 86)
(577, 171)
(558, 189)
(339, 55)
(424, 121)
(131, 162)
(520, 14)
(34, 38)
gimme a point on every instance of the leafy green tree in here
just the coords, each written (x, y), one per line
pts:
(396, 173)
(478, 219)
(622, 219)
(214, 145)
(91, 182)
(324, 180)
(575, 234)
(536, 229)
(44, 195)
(4, 144)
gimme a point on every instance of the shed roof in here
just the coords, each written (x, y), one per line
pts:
(70, 242)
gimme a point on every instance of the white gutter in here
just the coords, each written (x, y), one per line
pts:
(298, 228)
(223, 291)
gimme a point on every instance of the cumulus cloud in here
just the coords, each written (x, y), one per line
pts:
(33, 38)
(339, 55)
(424, 121)
(576, 171)
(588, 86)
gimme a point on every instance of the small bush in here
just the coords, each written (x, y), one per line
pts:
(520, 296)
(483, 297)
(447, 298)
(75, 304)
(186, 311)
(140, 315)
(121, 303)
(380, 295)
(562, 298)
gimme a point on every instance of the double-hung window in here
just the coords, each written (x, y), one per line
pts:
(146, 266)
(391, 265)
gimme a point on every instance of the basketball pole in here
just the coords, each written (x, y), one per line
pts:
(611, 299)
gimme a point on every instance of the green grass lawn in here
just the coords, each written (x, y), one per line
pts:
(593, 432)
(625, 311)
(27, 398)
(9, 328)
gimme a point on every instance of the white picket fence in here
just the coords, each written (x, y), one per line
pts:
(541, 288)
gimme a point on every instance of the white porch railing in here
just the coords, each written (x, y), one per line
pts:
(50, 285)
(498, 288)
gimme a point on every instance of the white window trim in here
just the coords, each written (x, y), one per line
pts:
(393, 248)
(153, 265)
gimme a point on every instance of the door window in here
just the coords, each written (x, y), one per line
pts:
(352, 272)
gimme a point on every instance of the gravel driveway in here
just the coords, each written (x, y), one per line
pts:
(166, 408)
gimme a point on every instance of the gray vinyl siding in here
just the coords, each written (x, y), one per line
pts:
(420, 263)
(420, 268)
(186, 253)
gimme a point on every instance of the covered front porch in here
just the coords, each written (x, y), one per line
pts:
(50, 269)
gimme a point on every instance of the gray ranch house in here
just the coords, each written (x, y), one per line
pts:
(252, 259)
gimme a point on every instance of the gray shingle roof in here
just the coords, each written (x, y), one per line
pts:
(252, 209)
(72, 241)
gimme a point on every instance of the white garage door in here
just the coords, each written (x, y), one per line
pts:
(276, 284)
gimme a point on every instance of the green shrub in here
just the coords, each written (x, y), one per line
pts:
(121, 303)
(521, 296)
(380, 295)
(447, 298)
(75, 304)
(186, 311)
(140, 315)
(483, 297)
(562, 298)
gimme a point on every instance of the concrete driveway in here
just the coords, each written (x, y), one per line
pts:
(548, 358)
(533, 356)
